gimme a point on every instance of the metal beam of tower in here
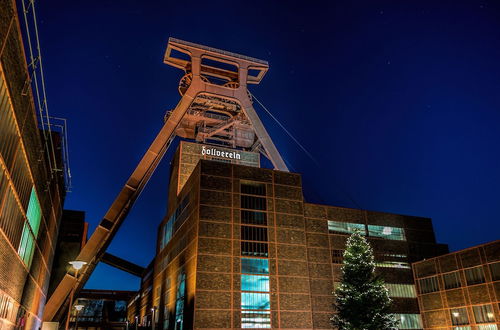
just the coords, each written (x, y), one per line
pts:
(122, 264)
(215, 81)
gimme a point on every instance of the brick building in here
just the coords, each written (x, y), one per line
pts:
(240, 248)
(461, 290)
(31, 191)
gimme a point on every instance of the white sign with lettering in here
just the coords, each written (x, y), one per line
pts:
(220, 153)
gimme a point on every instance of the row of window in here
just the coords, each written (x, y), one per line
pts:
(409, 321)
(255, 296)
(396, 290)
(482, 314)
(338, 258)
(174, 222)
(392, 233)
(452, 280)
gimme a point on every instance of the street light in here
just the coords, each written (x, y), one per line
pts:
(136, 320)
(78, 308)
(77, 265)
(153, 318)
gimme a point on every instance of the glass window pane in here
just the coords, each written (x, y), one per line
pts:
(255, 320)
(451, 280)
(483, 314)
(392, 233)
(474, 275)
(253, 217)
(409, 321)
(254, 249)
(428, 285)
(253, 202)
(253, 188)
(495, 271)
(254, 266)
(34, 213)
(250, 300)
(254, 283)
(487, 327)
(401, 290)
(459, 316)
(345, 227)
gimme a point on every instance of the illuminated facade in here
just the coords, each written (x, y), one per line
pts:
(461, 290)
(31, 192)
(239, 248)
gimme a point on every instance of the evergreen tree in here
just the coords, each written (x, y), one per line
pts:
(361, 300)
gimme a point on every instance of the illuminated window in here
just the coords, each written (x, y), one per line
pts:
(254, 266)
(255, 319)
(495, 271)
(253, 217)
(401, 290)
(459, 316)
(483, 313)
(258, 283)
(174, 222)
(34, 213)
(409, 321)
(451, 280)
(253, 300)
(393, 233)
(474, 275)
(428, 285)
(461, 328)
(345, 227)
(392, 264)
(179, 304)
(26, 246)
(487, 327)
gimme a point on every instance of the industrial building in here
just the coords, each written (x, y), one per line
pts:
(460, 290)
(32, 187)
(240, 248)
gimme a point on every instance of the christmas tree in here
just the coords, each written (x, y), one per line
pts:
(361, 300)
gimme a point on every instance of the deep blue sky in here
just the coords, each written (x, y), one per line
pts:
(399, 101)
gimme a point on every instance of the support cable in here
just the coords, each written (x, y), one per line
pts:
(303, 149)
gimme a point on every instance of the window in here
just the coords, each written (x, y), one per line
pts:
(179, 301)
(495, 271)
(253, 203)
(409, 321)
(249, 233)
(174, 222)
(461, 328)
(254, 266)
(253, 188)
(474, 275)
(392, 264)
(255, 319)
(34, 213)
(253, 300)
(254, 249)
(428, 285)
(258, 283)
(392, 233)
(451, 280)
(459, 316)
(487, 327)
(253, 217)
(401, 290)
(345, 227)
(483, 313)
(337, 256)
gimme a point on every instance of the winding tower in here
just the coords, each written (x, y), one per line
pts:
(215, 108)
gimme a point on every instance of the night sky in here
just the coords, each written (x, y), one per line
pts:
(398, 102)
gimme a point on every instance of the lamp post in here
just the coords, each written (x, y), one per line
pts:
(153, 317)
(77, 265)
(78, 308)
(136, 320)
